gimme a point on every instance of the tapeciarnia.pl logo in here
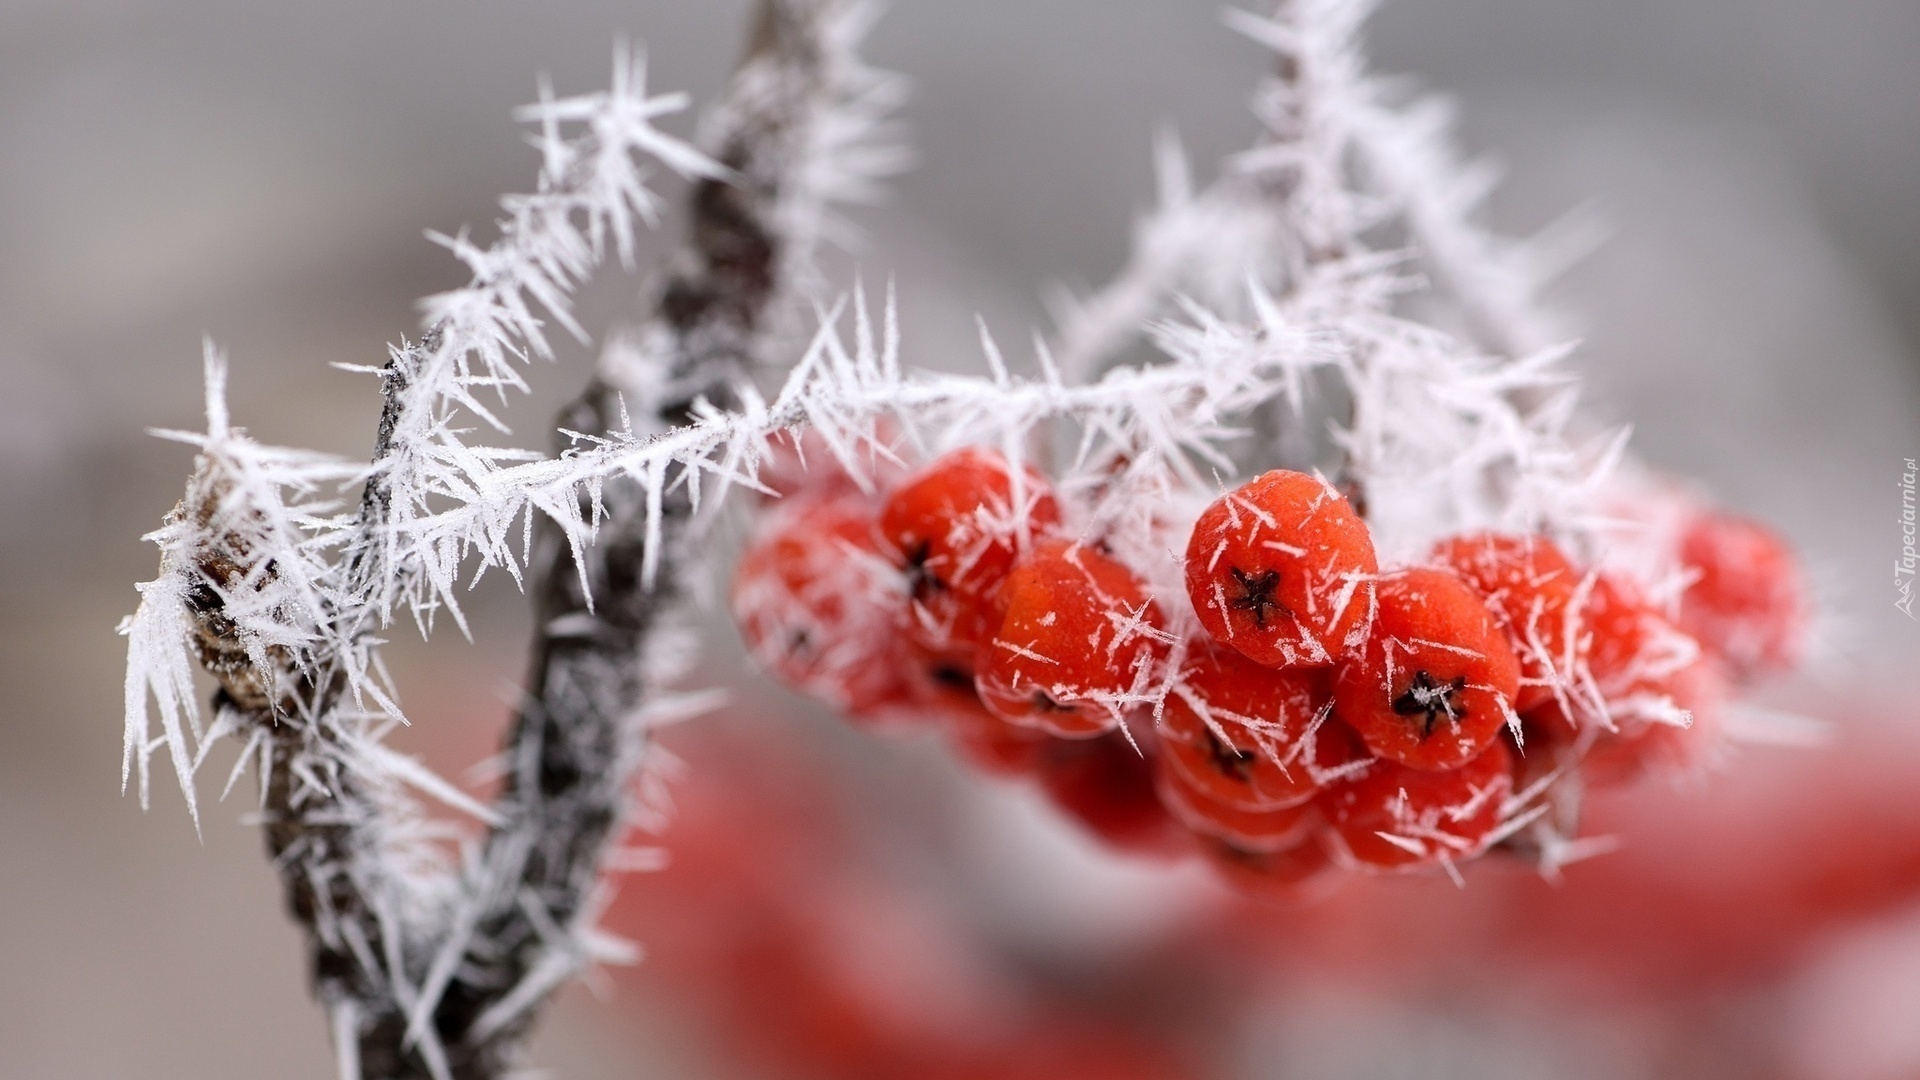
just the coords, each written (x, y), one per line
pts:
(1903, 567)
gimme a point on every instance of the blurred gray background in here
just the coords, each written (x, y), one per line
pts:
(262, 173)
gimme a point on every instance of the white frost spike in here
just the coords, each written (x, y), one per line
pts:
(591, 188)
(250, 535)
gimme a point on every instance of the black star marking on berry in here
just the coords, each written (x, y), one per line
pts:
(921, 582)
(952, 677)
(1434, 698)
(1230, 760)
(1256, 594)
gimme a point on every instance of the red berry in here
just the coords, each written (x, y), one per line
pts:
(1281, 569)
(1393, 817)
(1245, 735)
(1288, 874)
(988, 742)
(1079, 644)
(1106, 786)
(1646, 701)
(1532, 591)
(1436, 681)
(1665, 747)
(1747, 603)
(1547, 775)
(1633, 654)
(814, 600)
(1249, 830)
(956, 528)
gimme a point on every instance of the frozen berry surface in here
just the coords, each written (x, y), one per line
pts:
(1436, 680)
(1281, 569)
(1533, 591)
(1080, 645)
(1393, 817)
(1247, 735)
(955, 529)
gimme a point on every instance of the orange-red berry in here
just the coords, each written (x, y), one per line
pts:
(1289, 874)
(1393, 817)
(1078, 646)
(815, 599)
(1108, 787)
(1245, 735)
(1436, 681)
(1674, 745)
(955, 528)
(1747, 603)
(1633, 654)
(990, 743)
(1533, 592)
(1249, 830)
(1281, 569)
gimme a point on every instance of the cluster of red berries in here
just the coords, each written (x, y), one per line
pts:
(1321, 713)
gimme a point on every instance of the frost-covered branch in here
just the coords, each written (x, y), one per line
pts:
(1274, 209)
(429, 970)
(606, 609)
(1338, 157)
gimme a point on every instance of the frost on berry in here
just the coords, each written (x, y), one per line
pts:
(1646, 699)
(1436, 680)
(1281, 569)
(1079, 646)
(1633, 653)
(1247, 736)
(814, 599)
(955, 528)
(1393, 817)
(1746, 602)
(1673, 748)
(1534, 592)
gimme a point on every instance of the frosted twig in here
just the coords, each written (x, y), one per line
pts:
(279, 593)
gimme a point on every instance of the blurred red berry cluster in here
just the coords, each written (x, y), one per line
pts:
(1298, 709)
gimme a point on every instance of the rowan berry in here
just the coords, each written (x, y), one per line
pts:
(1632, 656)
(985, 740)
(1287, 874)
(1281, 569)
(956, 527)
(1680, 742)
(814, 599)
(1747, 603)
(1533, 592)
(1548, 783)
(1647, 700)
(1245, 735)
(1080, 642)
(1435, 683)
(1394, 817)
(1108, 788)
(1250, 830)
